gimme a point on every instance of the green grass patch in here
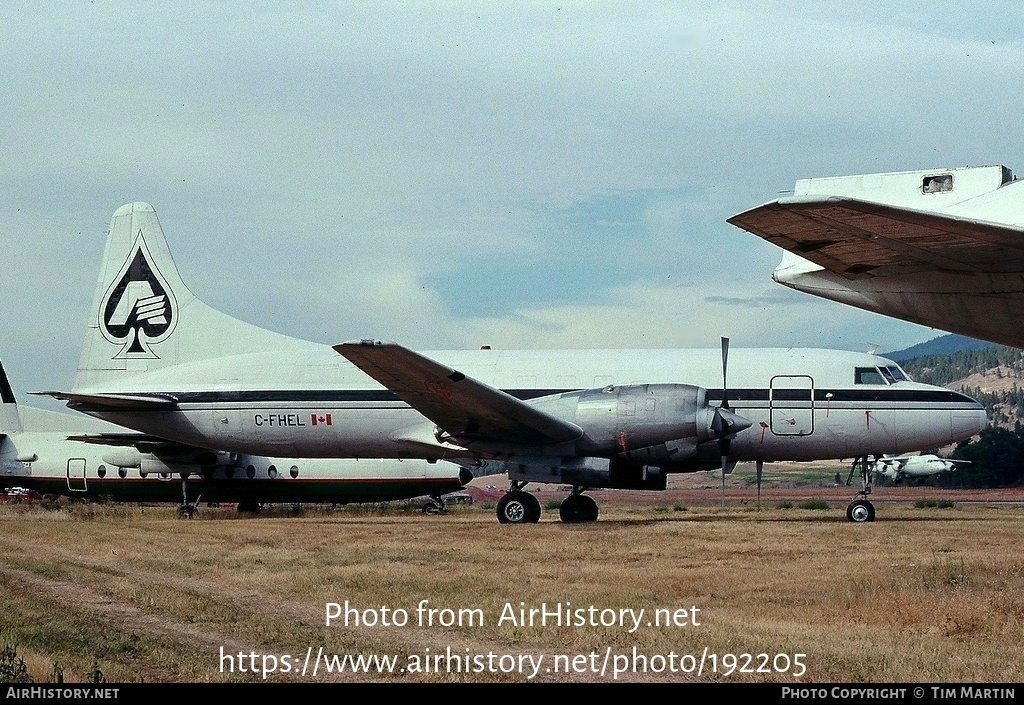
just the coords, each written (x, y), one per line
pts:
(925, 503)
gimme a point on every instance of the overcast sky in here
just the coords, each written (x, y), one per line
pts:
(445, 175)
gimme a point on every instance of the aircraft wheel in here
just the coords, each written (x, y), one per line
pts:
(591, 506)
(578, 508)
(431, 508)
(860, 510)
(532, 508)
(518, 508)
(186, 511)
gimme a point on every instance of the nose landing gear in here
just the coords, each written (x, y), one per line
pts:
(860, 509)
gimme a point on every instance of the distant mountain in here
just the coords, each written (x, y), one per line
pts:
(943, 345)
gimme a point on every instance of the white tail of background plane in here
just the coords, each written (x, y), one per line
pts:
(10, 420)
(143, 317)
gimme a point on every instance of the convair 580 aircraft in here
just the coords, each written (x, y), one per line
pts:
(77, 456)
(158, 360)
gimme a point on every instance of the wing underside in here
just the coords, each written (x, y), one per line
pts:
(858, 239)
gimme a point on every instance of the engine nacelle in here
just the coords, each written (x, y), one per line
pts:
(147, 463)
(129, 457)
(642, 421)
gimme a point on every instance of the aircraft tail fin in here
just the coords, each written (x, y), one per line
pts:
(10, 420)
(144, 318)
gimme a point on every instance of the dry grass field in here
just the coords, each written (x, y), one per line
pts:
(927, 593)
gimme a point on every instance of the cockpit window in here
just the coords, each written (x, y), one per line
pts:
(887, 374)
(868, 375)
(897, 373)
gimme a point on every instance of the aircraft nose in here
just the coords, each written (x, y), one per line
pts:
(968, 422)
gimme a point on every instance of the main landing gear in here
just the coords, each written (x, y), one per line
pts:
(519, 507)
(860, 509)
(577, 507)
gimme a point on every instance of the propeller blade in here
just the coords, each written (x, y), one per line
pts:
(725, 367)
(725, 424)
(723, 450)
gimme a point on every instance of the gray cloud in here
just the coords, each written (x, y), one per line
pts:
(528, 173)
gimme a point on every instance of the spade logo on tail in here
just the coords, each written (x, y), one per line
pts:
(138, 309)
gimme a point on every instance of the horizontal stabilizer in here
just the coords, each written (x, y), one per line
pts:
(467, 409)
(129, 440)
(857, 239)
(112, 401)
(166, 450)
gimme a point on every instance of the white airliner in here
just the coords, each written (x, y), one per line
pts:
(898, 468)
(939, 247)
(158, 360)
(78, 456)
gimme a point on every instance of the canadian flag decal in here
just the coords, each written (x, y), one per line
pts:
(318, 420)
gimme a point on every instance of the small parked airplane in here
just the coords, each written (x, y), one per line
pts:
(158, 360)
(898, 468)
(939, 247)
(78, 456)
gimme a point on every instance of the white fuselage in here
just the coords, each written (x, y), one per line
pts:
(803, 404)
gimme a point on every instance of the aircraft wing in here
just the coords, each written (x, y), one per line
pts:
(465, 408)
(952, 272)
(858, 239)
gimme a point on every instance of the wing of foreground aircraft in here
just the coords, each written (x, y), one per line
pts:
(940, 248)
(466, 409)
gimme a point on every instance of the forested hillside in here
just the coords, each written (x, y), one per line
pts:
(993, 375)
